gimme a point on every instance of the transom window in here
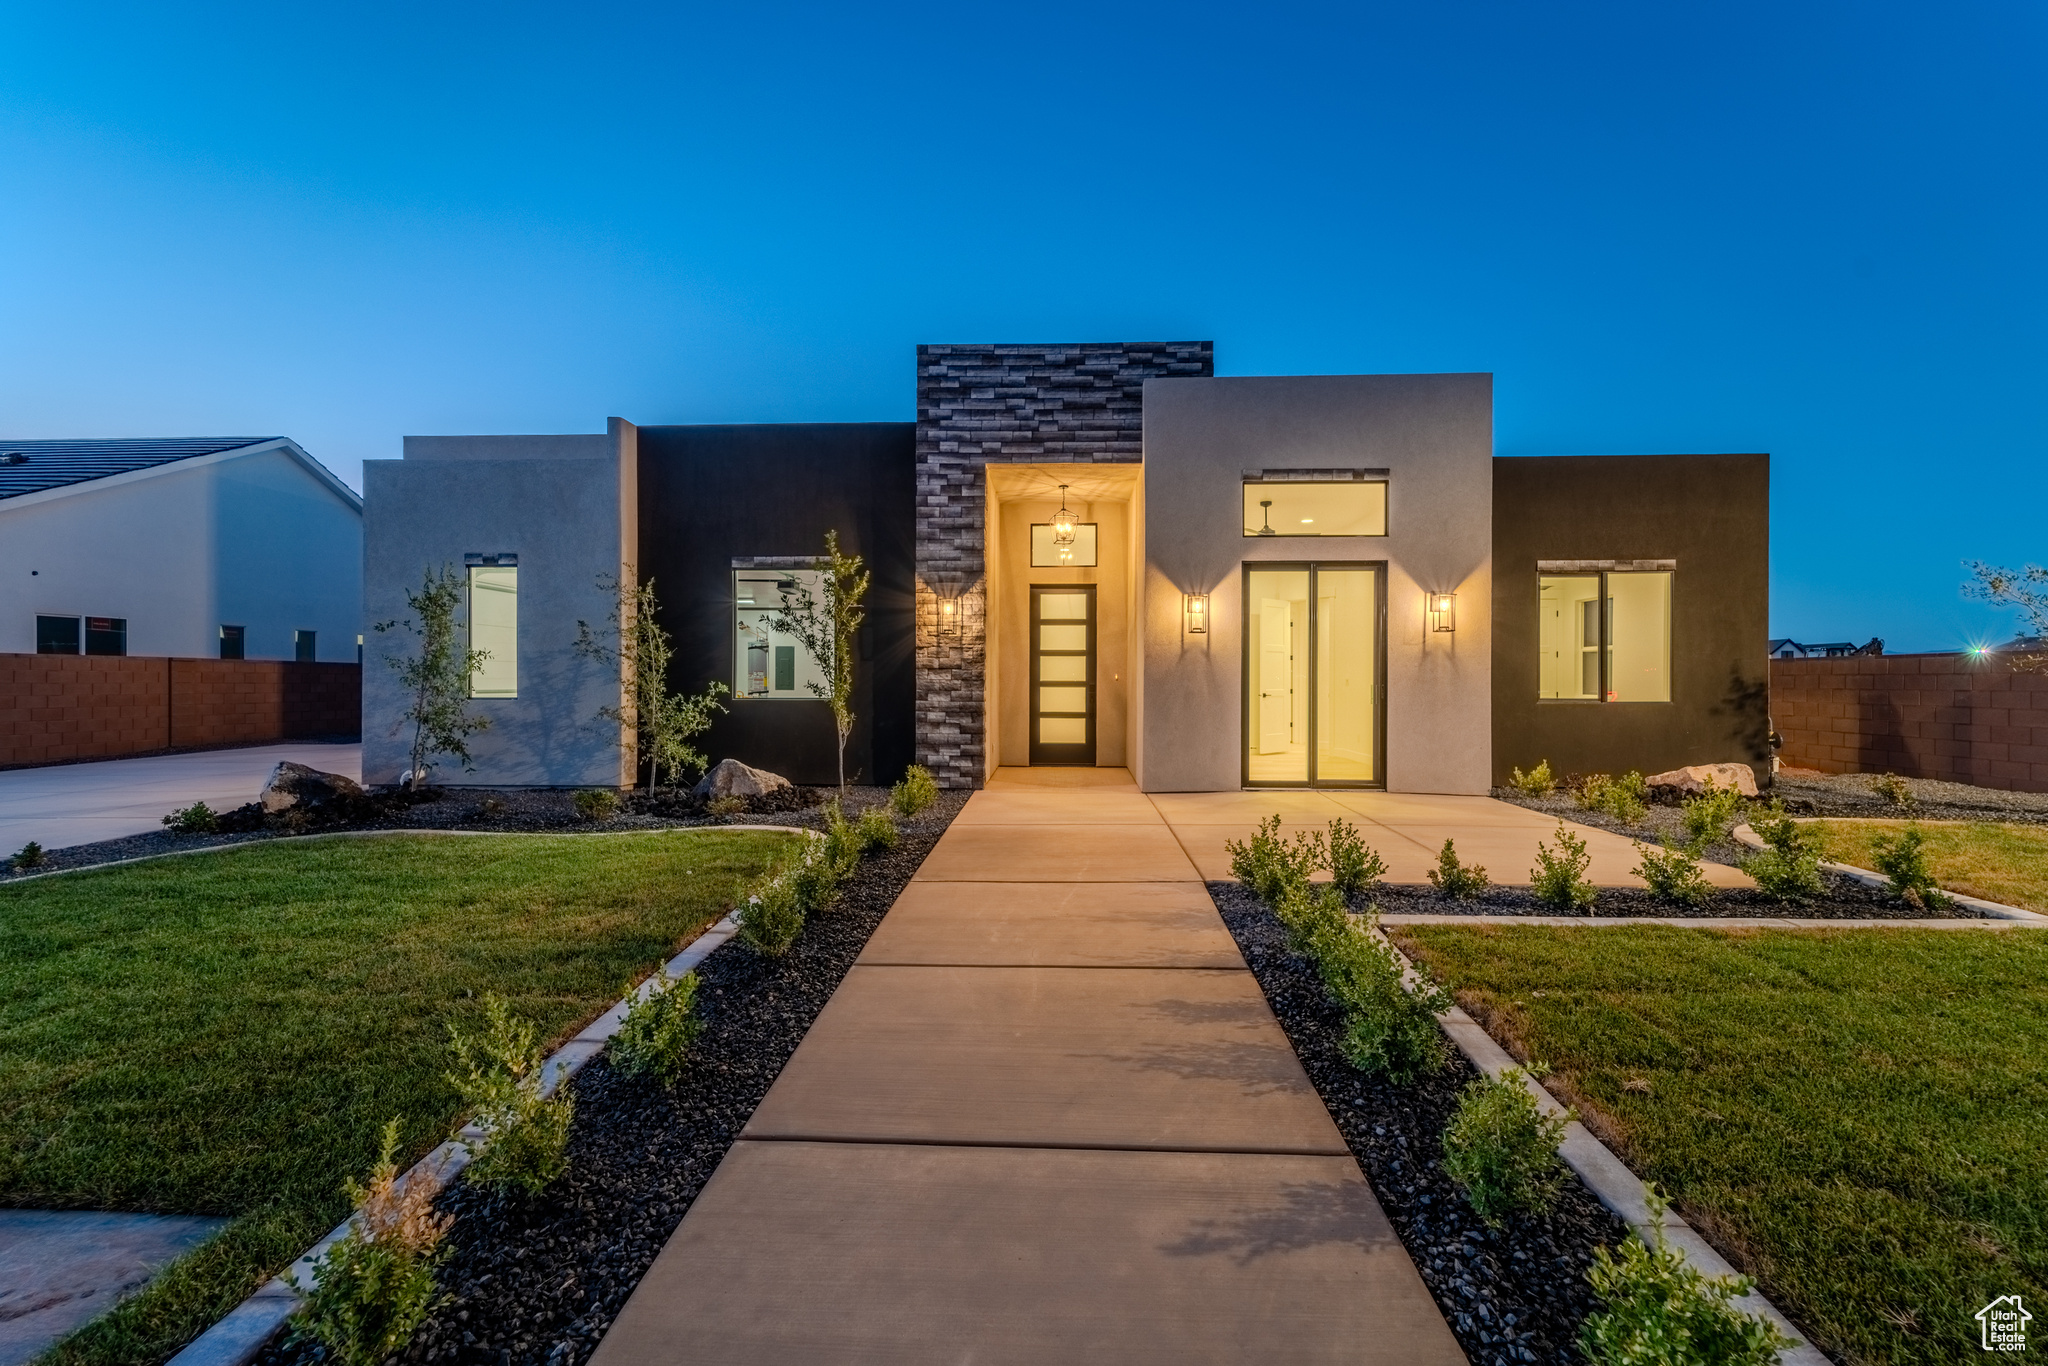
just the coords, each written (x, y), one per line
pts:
(1299, 507)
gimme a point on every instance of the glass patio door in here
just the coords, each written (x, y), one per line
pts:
(1314, 675)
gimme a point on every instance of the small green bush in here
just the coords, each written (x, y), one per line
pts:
(1311, 915)
(772, 917)
(1626, 798)
(727, 806)
(1270, 864)
(1903, 861)
(1789, 869)
(31, 856)
(1559, 877)
(526, 1134)
(1673, 874)
(1537, 782)
(1501, 1149)
(373, 1288)
(1389, 1030)
(1710, 815)
(876, 830)
(916, 791)
(843, 848)
(196, 819)
(1893, 789)
(660, 1025)
(1454, 879)
(597, 803)
(1662, 1312)
(1354, 865)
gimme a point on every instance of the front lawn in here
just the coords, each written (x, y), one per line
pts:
(1859, 1116)
(225, 1033)
(1999, 862)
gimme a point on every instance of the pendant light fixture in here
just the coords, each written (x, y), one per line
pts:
(1267, 529)
(1063, 525)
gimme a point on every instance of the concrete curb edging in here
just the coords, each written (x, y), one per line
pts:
(1606, 1175)
(1994, 910)
(1704, 922)
(236, 1339)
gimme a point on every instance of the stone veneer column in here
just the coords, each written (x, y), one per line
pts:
(1024, 405)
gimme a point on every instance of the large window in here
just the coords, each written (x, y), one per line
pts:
(1295, 507)
(1313, 669)
(1604, 637)
(494, 629)
(772, 665)
(56, 635)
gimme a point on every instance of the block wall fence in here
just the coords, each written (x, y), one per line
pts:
(1953, 717)
(57, 708)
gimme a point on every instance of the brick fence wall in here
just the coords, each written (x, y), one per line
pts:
(976, 405)
(1954, 717)
(56, 708)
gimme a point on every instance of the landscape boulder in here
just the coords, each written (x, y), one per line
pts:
(1693, 778)
(731, 778)
(296, 785)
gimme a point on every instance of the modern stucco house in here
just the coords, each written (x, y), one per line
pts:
(1103, 554)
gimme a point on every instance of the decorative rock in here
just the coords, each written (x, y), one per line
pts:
(293, 785)
(1695, 777)
(731, 778)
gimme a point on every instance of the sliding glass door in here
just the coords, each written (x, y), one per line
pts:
(1314, 675)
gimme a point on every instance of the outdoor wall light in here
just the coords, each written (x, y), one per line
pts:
(1063, 525)
(1443, 611)
(1197, 605)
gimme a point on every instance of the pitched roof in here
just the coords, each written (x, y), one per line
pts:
(32, 466)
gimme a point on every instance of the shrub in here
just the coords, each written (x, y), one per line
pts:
(916, 791)
(596, 803)
(1454, 879)
(1270, 864)
(1537, 782)
(1388, 1030)
(1893, 789)
(1501, 1149)
(526, 1134)
(1660, 1309)
(876, 830)
(196, 819)
(373, 1288)
(1311, 915)
(1673, 874)
(31, 856)
(1626, 798)
(660, 1025)
(773, 916)
(726, 806)
(1559, 877)
(1789, 869)
(1903, 861)
(1710, 815)
(842, 849)
(1354, 865)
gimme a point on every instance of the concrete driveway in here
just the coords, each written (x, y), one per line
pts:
(81, 803)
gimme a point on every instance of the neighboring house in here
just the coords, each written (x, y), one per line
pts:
(1834, 649)
(225, 547)
(1258, 582)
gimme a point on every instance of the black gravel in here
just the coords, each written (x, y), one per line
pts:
(538, 1279)
(1517, 1294)
(1844, 899)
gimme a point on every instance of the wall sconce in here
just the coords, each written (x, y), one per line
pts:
(949, 616)
(1197, 608)
(1443, 611)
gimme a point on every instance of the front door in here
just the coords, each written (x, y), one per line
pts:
(1063, 673)
(1314, 675)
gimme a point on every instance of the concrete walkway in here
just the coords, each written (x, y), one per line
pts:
(69, 804)
(1048, 1117)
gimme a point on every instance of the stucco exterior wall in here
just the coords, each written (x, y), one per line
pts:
(567, 513)
(254, 540)
(1434, 434)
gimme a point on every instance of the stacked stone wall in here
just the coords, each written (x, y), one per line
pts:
(1004, 404)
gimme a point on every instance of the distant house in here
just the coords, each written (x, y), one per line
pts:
(1833, 649)
(220, 547)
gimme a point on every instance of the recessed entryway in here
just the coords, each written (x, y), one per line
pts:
(1315, 675)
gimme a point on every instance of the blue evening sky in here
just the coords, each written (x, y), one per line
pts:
(1811, 229)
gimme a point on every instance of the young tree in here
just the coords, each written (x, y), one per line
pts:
(2026, 589)
(826, 630)
(437, 676)
(663, 722)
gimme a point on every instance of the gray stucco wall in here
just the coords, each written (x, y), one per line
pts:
(568, 518)
(1434, 433)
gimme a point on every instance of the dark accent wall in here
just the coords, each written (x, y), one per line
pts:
(1711, 513)
(710, 494)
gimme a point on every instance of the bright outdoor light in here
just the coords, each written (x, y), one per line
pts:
(1443, 611)
(1197, 613)
(1063, 525)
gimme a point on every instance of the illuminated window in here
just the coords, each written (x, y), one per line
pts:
(1287, 507)
(494, 629)
(1046, 555)
(1604, 637)
(772, 665)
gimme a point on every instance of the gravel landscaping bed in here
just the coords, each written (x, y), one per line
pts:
(539, 1279)
(1516, 1294)
(1844, 900)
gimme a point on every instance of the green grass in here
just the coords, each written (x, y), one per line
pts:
(1862, 1115)
(2007, 863)
(224, 1034)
